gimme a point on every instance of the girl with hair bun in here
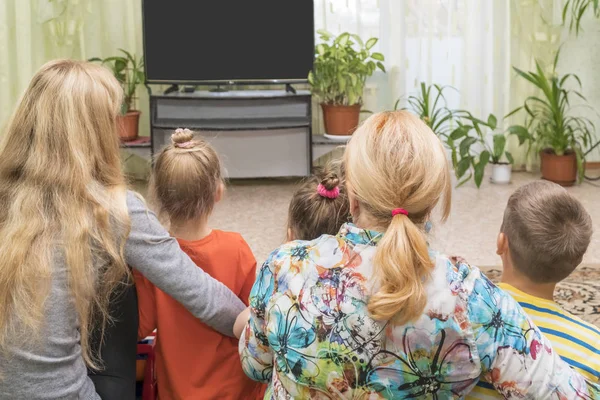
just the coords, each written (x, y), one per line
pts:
(374, 313)
(193, 361)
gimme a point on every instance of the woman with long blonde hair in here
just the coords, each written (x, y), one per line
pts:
(70, 229)
(374, 313)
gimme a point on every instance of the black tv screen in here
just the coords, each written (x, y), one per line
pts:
(196, 41)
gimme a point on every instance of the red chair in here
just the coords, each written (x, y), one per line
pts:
(150, 389)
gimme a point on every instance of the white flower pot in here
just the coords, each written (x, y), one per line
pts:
(501, 173)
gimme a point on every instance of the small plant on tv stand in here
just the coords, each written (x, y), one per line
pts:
(341, 68)
(129, 71)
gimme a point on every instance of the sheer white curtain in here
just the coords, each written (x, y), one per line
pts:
(461, 43)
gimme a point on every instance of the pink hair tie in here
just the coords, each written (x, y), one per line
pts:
(330, 194)
(397, 211)
(185, 145)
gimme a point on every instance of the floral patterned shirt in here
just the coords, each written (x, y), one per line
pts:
(310, 334)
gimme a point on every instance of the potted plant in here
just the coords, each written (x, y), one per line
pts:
(471, 151)
(129, 71)
(551, 127)
(341, 68)
(430, 105)
(576, 9)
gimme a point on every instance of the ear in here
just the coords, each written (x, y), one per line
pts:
(501, 244)
(219, 193)
(354, 204)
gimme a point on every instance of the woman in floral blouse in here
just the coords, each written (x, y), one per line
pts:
(373, 313)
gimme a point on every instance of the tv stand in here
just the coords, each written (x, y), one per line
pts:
(218, 89)
(289, 88)
(257, 133)
(172, 89)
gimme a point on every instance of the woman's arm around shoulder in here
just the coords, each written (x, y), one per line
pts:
(152, 251)
(515, 358)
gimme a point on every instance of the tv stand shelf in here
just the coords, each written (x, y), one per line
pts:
(258, 133)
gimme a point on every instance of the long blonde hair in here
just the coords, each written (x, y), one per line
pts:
(62, 198)
(395, 161)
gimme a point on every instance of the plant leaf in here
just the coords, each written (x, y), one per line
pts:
(378, 57)
(462, 167)
(325, 35)
(521, 132)
(370, 43)
(464, 180)
(509, 157)
(358, 40)
(499, 144)
(492, 121)
(465, 145)
(343, 39)
(459, 132)
(321, 49)
(381, 66)
(479, 168)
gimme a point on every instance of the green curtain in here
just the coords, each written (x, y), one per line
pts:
(535, 34)
(33, 32)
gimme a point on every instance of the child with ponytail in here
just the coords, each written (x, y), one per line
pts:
(193, 360)
(373, 312)
(318, 207)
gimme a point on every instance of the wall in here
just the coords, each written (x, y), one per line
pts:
(580, 55)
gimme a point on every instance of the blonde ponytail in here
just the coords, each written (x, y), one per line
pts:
(395, 160)
(402, 261)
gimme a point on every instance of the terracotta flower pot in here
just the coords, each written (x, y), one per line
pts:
(340, 120)
(128, 126)
(559, 169)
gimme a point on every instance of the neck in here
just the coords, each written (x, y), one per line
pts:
(190, 230)
(365, 222)
(524, 284)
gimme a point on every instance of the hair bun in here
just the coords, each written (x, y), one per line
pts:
(182, 136)
(330, 180)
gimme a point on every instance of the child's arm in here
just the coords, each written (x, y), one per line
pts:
(241, 322)
(146, 305)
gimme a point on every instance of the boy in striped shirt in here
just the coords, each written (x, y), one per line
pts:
(543, 237)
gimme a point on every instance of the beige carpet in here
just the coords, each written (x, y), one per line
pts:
(258, 210)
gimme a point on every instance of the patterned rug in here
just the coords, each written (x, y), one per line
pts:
(579, 293)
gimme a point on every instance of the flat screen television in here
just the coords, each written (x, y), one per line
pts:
(219, 41)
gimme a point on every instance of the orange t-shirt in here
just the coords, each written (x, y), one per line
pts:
(192, 360)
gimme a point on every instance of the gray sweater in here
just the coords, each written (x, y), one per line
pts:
(54, 368)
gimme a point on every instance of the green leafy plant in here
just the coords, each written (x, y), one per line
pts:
(341, 68)
(550, 123)
(129, 71)
(471, 151)
(574, 10)
(430, 105)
